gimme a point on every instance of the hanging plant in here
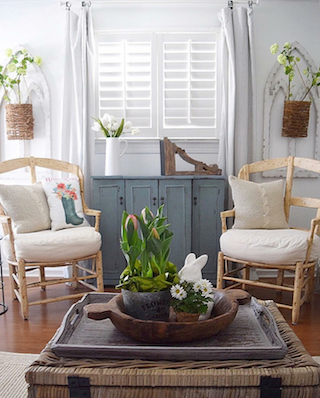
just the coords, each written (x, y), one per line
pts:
(296, 113)
(19, 117)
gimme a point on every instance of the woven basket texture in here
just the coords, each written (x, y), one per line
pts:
(295, 119)
(19, 120)
(299, 373)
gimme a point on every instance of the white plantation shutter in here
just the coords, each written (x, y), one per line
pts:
(164, 83)
(126, 78)
(188, 82)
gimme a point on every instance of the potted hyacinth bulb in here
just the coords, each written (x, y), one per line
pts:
(146, 281)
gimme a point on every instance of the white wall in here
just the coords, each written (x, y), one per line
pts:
(39, 25)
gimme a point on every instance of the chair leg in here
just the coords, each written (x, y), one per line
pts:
(298, 282)
(75, 283)
(280, 277)
(220, 271)
(23, 289)
(13, 283)
(246, 275)
(310, 284)
(42, 277)
(99, 271)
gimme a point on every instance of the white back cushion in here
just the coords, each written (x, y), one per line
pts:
(27, 206)
(258, 205)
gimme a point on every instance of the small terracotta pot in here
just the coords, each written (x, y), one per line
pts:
(186, 317)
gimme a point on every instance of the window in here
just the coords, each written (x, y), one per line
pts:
(164, 83)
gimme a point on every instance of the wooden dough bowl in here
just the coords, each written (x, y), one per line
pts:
(223, 314)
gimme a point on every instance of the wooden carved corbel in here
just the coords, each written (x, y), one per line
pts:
(168, 162)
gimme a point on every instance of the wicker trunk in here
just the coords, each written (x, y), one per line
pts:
(19, 119)
(294, 376)
(295, 119)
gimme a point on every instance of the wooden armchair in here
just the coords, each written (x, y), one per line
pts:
(38, 249)
(279, 248)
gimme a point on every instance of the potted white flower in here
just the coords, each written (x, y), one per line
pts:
(112, 130)
(191, 299)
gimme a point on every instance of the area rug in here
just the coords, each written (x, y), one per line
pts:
(12, 370)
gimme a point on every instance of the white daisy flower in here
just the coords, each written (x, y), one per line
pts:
(178, 292)
(197, 286)
(206, 287)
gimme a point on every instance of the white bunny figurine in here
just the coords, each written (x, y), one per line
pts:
(191, 272)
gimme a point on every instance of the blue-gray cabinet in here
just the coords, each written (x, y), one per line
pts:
(191, 203)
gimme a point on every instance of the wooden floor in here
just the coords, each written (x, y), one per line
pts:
(17, 335)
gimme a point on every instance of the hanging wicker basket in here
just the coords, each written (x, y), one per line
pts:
(295, 119)
(19, 120)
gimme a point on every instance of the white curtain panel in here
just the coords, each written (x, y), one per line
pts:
(77, 138)
(238, 90)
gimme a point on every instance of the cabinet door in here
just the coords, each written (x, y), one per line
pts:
(176, 197)
(108, 196)
(141, 193)
(208, 202)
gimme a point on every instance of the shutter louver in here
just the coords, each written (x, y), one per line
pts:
(189, 83)
(125, 78)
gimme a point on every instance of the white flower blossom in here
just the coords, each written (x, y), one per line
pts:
(96, 126)
(135, 131)
(197, 286)
(105, 119)
(178, 292)
(206, 287)
(128, 125)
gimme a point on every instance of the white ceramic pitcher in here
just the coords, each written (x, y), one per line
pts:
(113, 155)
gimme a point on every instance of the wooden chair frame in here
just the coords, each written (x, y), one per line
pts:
(303, 285)
(18, 267)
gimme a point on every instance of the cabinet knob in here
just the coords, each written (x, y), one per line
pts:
(154, 201)
(162, 200)
(195, 199)
(121, 200)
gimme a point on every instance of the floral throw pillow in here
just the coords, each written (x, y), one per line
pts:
(64, 201)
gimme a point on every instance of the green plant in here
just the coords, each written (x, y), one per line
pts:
(111, 128)
(290, 64)
(13, 73)
(145, 243)
(192, 297)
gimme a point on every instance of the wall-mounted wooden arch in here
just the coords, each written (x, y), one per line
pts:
(274, 145)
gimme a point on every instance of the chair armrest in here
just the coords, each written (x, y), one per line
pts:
(224, 215)
(7, 229)
(314, 229)
(96, 214)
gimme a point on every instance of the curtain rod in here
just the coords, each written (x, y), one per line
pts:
(230, 2)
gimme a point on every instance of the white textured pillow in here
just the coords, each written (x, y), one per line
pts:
(64, 201)
(258, 206)
(27, 206)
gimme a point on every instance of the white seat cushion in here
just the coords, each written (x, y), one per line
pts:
(47, 246)
(276, 246)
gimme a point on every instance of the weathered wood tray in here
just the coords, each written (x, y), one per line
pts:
(160, 332)
(252, 335)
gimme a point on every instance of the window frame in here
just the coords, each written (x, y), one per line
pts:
(157, 130)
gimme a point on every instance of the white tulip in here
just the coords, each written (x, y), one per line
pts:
(96, 126)
(135, 132)
(105, 119)
(109, 125)
(128, 125)
(112, 119)
(115, 126)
